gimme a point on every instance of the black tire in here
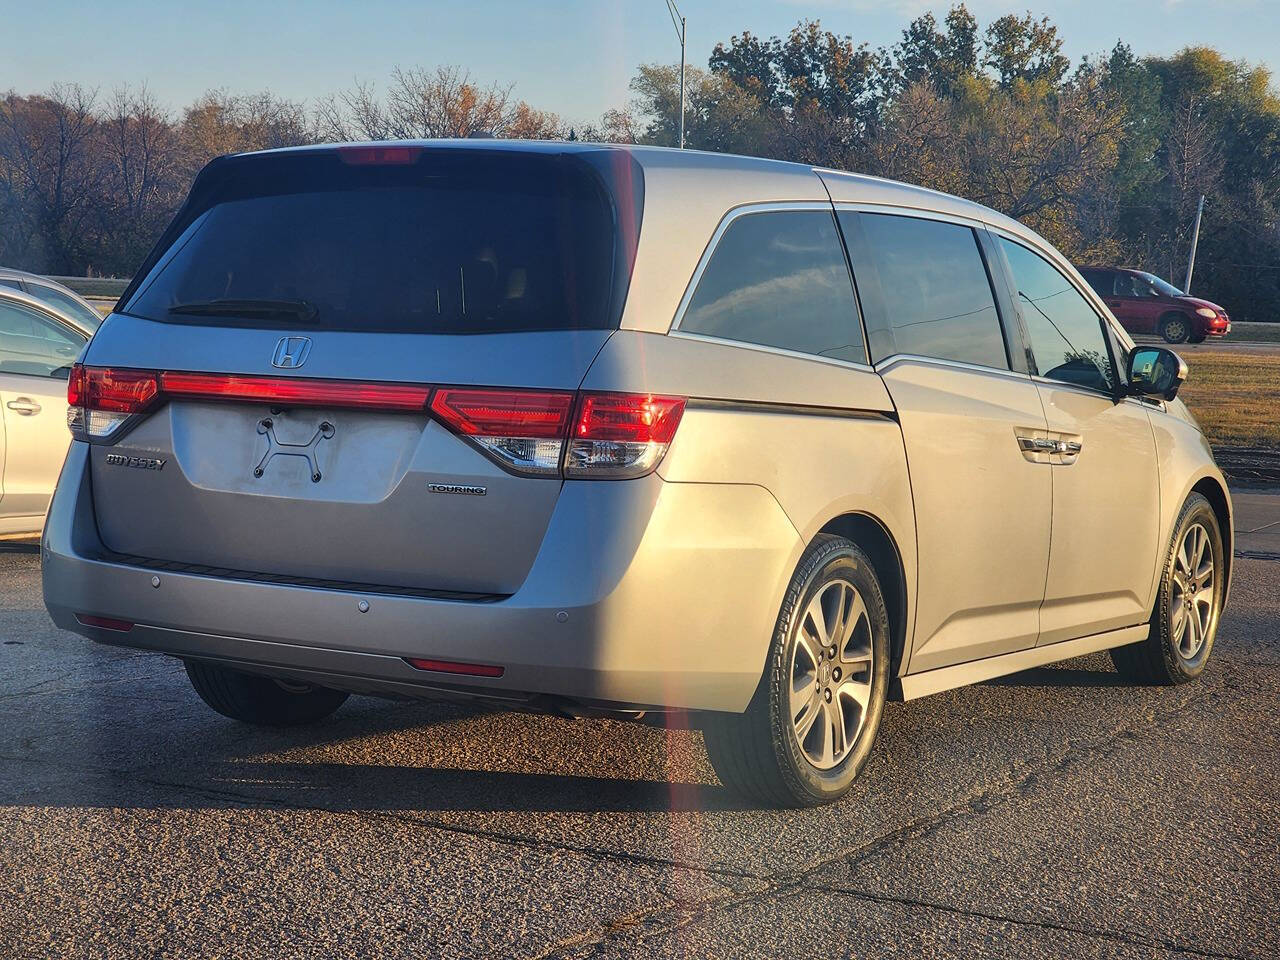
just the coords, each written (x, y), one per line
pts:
(759, 753)
(261, 700)
(1175, 328)
(1162, 659)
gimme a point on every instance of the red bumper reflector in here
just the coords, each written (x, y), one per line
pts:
(448, 666)
(106, 623)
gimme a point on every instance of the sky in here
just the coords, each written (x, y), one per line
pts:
(574, 57)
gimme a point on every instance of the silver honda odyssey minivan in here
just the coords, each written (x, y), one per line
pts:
(612, 431)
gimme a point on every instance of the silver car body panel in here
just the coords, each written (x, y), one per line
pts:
(656, 592)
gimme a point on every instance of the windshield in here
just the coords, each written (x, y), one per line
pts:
(459, 245)
(1163, 288)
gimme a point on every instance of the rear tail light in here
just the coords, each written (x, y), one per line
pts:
(621, 435)
(101, 399)
(522, 429)
(293, 391)
(539, 433)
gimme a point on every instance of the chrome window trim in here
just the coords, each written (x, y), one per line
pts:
(1075, 388)
(730, 216)
(777, 351)
(889, 363)
(900, 210)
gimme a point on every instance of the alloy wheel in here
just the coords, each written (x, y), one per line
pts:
(831, 674)
(1193, 595)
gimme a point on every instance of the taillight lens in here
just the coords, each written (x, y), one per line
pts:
(523, 430)
(406, 397)
(529, 432)
(101, 399)
(621, 435)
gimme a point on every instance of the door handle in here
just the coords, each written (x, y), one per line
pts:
(24, 406)
(1038, 444)
(1047, 445)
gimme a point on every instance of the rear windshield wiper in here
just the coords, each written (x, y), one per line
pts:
(299, 310)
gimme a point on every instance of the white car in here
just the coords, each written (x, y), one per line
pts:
(63, 299)
(38, 344)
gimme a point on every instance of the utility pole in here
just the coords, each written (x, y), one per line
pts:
(678, 21)
(1195, 239)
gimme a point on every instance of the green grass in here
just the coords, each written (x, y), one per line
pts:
(1233, 395)
(1257, 332)
(94, 286)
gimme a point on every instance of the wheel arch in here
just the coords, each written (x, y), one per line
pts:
(869, 533)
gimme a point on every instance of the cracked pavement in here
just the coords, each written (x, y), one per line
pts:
(1053, 813)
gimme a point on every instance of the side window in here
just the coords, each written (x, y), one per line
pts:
(1124, 286)
(9, 282)
(931, 295)
(1100, 280)
(1066, 335)
(68, 305)
(33, 346)
(779, 279)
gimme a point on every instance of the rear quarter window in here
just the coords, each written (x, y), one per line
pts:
(779, 279)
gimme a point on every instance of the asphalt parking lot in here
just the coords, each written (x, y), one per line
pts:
(1053, 813)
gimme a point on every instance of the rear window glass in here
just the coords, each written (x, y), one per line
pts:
(460, 244)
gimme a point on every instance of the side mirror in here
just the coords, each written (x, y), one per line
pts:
(1155, 372)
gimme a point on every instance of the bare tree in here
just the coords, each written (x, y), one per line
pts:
(219, 123)
(428, 103)
(143, 180)
(51, 171)
(354, 114)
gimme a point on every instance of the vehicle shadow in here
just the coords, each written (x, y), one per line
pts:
(1060, 677)
(225, 765)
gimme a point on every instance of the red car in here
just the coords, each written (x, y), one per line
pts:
(1143, 303)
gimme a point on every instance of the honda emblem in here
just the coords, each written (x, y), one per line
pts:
(291, 352)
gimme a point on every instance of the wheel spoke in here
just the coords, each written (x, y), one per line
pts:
(816, 619)
(840, 616)
(839, 736)
(857, 613)
(812, 708)
(857, 691)
(1178, 622)
(1183, 562)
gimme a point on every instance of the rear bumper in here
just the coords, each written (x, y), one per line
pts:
(644, 593)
